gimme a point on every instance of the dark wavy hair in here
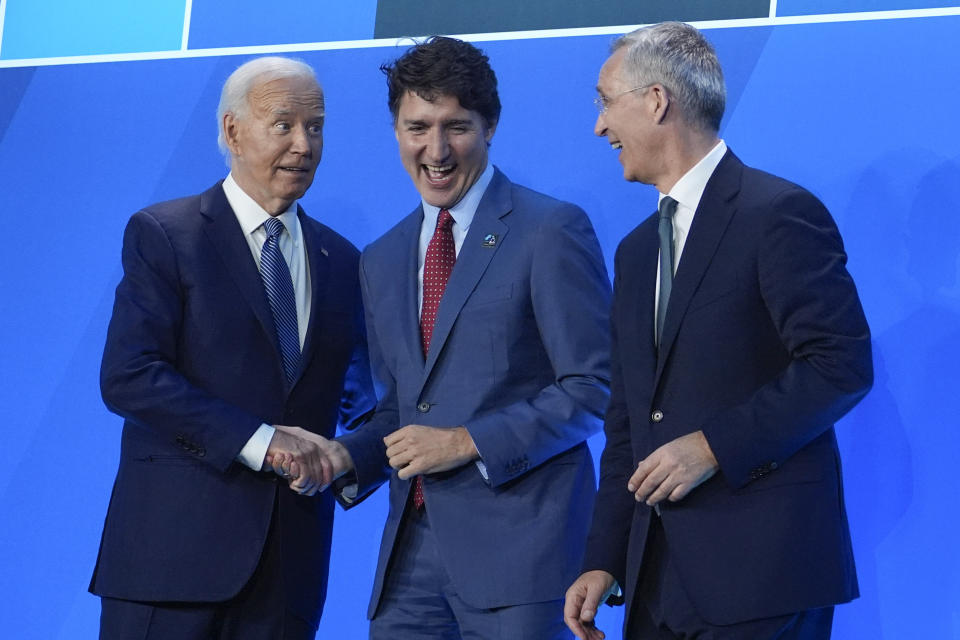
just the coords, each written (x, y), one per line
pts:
(441, 66)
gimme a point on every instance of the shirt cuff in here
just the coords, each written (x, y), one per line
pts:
(254, 452)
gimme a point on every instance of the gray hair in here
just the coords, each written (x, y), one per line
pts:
(233, 97)
(677, 56)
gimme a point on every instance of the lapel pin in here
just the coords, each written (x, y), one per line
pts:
(323, 250)
(490, 240)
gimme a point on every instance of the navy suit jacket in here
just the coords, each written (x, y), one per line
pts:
(192, 365)
(520, 356)
(764, 346)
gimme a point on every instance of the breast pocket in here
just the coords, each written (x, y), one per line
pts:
(485, 295)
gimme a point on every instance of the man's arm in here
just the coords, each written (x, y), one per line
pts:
(138, 375)
(814, 306)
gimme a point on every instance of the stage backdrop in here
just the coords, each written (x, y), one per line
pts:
(108, 106)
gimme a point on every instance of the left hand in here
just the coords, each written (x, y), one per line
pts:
(417, 449)
(673, 470)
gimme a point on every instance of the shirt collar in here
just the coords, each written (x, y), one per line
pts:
(689, 189)
(463, 211)
(251, 215)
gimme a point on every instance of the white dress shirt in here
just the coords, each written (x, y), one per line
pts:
(687, 192)
(251, 217)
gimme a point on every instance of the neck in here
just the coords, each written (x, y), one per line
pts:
(682, 151)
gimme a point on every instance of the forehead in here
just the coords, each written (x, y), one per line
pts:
(442, 107)
(610, 72)
(282, 94)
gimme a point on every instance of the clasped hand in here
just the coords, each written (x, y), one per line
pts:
(308, 461)
(417, 449)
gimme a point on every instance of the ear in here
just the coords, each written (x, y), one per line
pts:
(660, 103)
(488, 135)
(231, 133)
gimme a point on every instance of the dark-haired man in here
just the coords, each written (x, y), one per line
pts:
(738, 340)
(487, 323)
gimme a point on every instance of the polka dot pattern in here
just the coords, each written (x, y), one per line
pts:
(437, 266)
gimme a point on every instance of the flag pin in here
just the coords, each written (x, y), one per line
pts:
(490, 240)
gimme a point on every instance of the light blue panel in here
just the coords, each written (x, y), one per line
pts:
(49, 28)
(235, 23)
(813, 7)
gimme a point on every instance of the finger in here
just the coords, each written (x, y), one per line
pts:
(680, 492)
(401, 459)
(571, 614)
(651, 483)
(644, 467)
(395, 437)
(662, 491)
(415, 468)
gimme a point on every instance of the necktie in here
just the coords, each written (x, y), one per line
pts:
(437, 266)
(279, 287)
(668, 207)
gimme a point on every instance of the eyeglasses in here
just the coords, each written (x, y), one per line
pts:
(603, 103)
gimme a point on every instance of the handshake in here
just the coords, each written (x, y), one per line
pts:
(309, 462)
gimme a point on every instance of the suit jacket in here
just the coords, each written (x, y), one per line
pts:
(520, 356)
(764, 346)
(193, 366)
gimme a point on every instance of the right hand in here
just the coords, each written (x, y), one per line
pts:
(583, 599)
(312, 474)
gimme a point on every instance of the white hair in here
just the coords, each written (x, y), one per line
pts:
(677, 56)
(233, 97)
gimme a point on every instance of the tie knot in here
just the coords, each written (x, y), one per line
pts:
(273, 227)
(444, 220)
(668, 206)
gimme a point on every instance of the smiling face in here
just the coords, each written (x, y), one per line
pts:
(442, 146)
(276, 145)
(630, 120)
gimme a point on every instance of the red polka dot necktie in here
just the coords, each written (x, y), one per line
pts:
(437, 266)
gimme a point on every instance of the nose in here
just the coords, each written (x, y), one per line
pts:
(600, 127)
(300, 141)
(438, 149)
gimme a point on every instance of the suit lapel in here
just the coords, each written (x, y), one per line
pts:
(319, 264)
(471, 263)
(225, 234)
(713, 215)
(407, 263)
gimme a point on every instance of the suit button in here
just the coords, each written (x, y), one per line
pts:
(201, 452)
(423, 407)
(657, 416)
(773, 466)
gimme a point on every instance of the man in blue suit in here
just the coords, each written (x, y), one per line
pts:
(738, 340)
(236, 312)
(488, 332)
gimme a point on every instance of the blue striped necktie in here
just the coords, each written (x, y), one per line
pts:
(668, 206)
(283, 304)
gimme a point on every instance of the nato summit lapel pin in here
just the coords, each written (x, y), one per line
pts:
(323, 250)
(490, 240)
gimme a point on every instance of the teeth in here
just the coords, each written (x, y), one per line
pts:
(438, 171)
(616, 146)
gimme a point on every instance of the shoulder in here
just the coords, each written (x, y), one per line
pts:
(329, 239)
(397, 238)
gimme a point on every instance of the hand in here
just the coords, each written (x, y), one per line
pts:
(416, 449)
(673, 470)
(309, 461)
(583, 599)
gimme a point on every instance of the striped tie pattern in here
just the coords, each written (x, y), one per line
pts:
(668, 206)
(437, 266)
(283, 304)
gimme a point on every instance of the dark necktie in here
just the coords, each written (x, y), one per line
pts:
(668, 207)
(437, 266)
(283, 304)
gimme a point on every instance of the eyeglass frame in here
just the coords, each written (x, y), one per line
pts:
(602, 103)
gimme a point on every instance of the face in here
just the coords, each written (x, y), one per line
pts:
(276, 145)
(442, 146)
(629, 122)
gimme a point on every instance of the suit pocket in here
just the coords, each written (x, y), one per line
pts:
(705, 299)
(170, 460)
(487, 295)
(792, 472)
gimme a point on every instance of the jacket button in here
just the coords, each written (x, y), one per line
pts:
(773, 466)
(657, 416)
(423, 407)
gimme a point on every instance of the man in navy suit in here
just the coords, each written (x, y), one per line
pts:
(738, 340)
(488, 387)
(206, 354)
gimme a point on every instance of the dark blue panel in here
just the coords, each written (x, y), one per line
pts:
(233, 23)
(49, 28)
(813, 7)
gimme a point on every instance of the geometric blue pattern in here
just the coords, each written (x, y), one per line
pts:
(283, 304)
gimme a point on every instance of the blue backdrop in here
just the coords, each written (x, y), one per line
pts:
(864, 113)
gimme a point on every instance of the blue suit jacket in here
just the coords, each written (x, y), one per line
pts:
(764, 346)
(192, 365)
(520, 356)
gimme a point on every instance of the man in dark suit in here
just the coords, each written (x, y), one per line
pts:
(488, 332)
(738, 340)
(236, 312)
